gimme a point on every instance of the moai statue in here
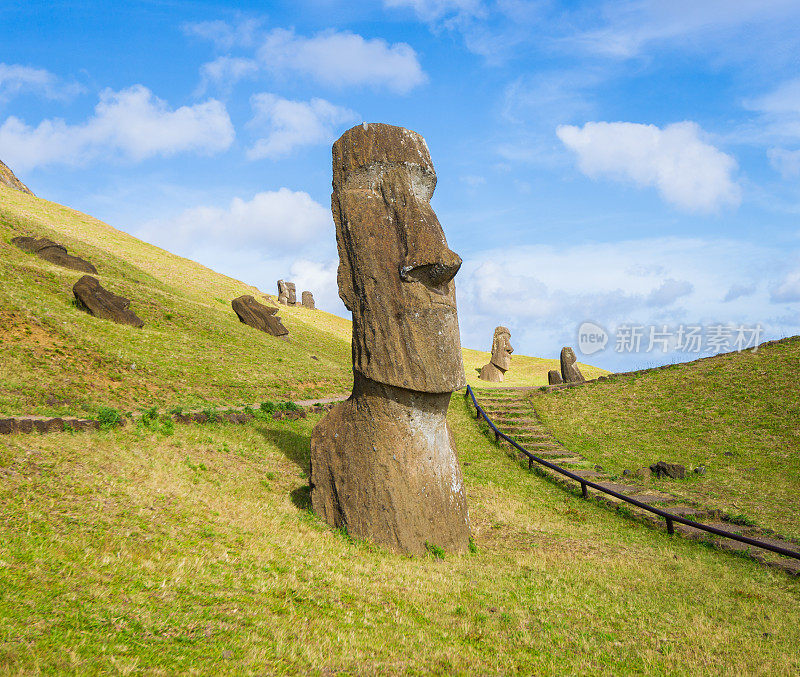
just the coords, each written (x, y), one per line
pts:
(383, 463)
(291, 292)
(501, 356)
(283, 293)
(554, 377)
(569, 369)
(308, 300)
(258, 316)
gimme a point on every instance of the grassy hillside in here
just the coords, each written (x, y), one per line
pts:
(738, 415)
(136, 553)
(192, 351)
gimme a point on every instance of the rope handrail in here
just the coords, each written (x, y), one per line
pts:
(669, 517)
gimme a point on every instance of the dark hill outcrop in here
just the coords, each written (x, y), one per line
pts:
(7, 178)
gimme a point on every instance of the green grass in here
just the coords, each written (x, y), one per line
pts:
(738, 415)
(130, 552)
(192, 352)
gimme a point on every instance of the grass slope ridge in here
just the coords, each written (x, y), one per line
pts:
(737, 414)
(192, 351)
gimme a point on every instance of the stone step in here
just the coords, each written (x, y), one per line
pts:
(654, 498)
(589, 474)
(619, 488)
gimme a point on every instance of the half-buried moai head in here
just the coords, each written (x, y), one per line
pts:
(291, 291)
(569, 367)
(500, 361)
(395, 268)
(501, 348)
(283, 293)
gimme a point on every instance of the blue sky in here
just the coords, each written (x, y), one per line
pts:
(625, 163)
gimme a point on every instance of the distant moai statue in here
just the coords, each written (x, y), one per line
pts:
(291, 291)
(383, 463)
(569, 368)
(308, 300)
(501, 356)
(554, 377)
(283, 293)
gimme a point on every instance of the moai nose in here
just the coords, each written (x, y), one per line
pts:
(432, 273)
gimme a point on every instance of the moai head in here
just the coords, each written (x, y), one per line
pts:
(283, 293)
(501, 348)
(395, 268)
(291, 291)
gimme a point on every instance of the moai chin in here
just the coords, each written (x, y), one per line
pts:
(283, 293)
(501, 356)
(569, 368)
(383, 463)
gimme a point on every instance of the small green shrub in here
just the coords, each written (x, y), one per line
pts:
(434, 550)
(473, 548)
(108, 418)
(289, 406)
(267, 407)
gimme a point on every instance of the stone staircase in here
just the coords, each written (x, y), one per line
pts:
(512, 412)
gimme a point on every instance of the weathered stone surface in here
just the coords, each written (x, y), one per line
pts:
(100, 302)
(258, 316)
(283, 293)
(554, 377)
(569, 368)
(383, 463)
(308, 300)
(501, 356)
(7, 178)
(672, 470)
(53, 252)
(7, 426)
(291, 292)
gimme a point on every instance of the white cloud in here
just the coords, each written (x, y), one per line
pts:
(787, 162)
(433, 10)
(688, 172)
(343, 59)
(226, 71)
(788, 291)
(630, 28)
(224, 35)
(271, 220)
(290, 124)
(16, 79)
(131, 124)
(543, 293)
(320, 279)
(668, 292)
(738, 291)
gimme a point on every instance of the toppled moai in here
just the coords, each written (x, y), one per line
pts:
(500, 362)
(384, 463)
(308, 300)
(100, 302)
(554, 377)
(52, 252)
(569, 368)
(258, 316)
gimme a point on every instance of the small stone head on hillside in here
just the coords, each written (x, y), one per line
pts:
(395, 268)
(501, 348)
